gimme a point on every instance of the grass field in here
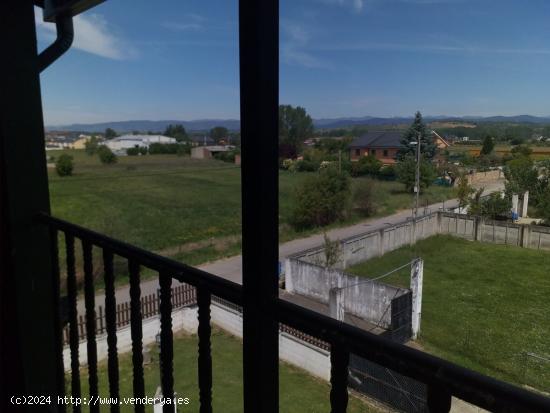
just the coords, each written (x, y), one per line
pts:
(181, 207)
(484, 306)
(299, 392)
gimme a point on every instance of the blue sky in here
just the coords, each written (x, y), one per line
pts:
(135, 60)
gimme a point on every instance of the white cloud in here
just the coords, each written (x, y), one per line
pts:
(294, 46)
(93, 34)
(355, 5)
(191, 22)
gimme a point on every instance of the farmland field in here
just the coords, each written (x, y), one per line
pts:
(299, 392)
(484, 306)
(182, 207)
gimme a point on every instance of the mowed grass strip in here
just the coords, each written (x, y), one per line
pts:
(299, 392)
(484, 306)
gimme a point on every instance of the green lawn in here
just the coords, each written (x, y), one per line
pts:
(299, 392)
(484, 305)
(181, 207)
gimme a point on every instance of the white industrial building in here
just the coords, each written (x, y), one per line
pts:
(121, 143)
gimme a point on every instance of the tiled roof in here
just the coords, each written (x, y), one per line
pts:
(382, 139)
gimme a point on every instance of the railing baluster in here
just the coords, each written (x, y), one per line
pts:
(339, 361)
(137, 334)
(55, 274)
(205, 355)
(89, 300)
(73, 320)
(166, 341)
(111, 314)
(439, 400)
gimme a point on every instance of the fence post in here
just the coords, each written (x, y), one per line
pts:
(417, 276)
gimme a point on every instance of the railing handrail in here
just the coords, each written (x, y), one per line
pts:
(438, 374)
(219, 286)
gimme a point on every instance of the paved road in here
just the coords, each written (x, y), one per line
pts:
(231, 268)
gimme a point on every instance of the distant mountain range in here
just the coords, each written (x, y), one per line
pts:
(234, 124)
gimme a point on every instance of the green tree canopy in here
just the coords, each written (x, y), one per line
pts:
(64, 165)
(488, 145)
(177, 132)
(417, 128)
(405, 170)
(218, 133)
(110, 133)
(91, 145)
(521, 175)
(321, 199)
(295, 126)
(106, 156)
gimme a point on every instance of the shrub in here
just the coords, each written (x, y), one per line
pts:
(163, 148)
(406, 173)
(228, 156)
(132, 151)
(106, 155)
(366, 165)
(321, 199)
(306, 166)
(363, 197)
(387, 173)
(64, 165)
(91, 146)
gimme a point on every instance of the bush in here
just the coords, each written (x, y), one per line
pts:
(163, 148)
(306, 166)
(91, 146)
(321, 199)
(406, 173)
(106, 155)
(132, 151)
(363, 197)
(366, 165)
(228, 156)
(64, 165)
(387, 173)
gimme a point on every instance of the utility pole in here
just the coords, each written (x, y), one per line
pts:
(417, 178)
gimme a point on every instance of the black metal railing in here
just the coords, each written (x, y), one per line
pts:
(442, 378)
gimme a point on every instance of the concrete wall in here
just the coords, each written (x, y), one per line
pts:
(372, 244)
(368, 300)
(182, 319)
(375, 243)
(496, 232)
(304, 355)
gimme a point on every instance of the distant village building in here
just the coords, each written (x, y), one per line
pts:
(385, 145)
(122, 143)
(208, 152)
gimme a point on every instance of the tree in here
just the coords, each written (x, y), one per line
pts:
(363, 197)
(177, 132)
(492, 206)
(521, 175)
(488, 145)
(110, 133)
(64, 165)
(463, 191)
(332, 250)
(417, 128)
(405, 171)
(295, 126)
(106, 155)
(321, 199)
(521, 151)
(91, 146)
(219, 133)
